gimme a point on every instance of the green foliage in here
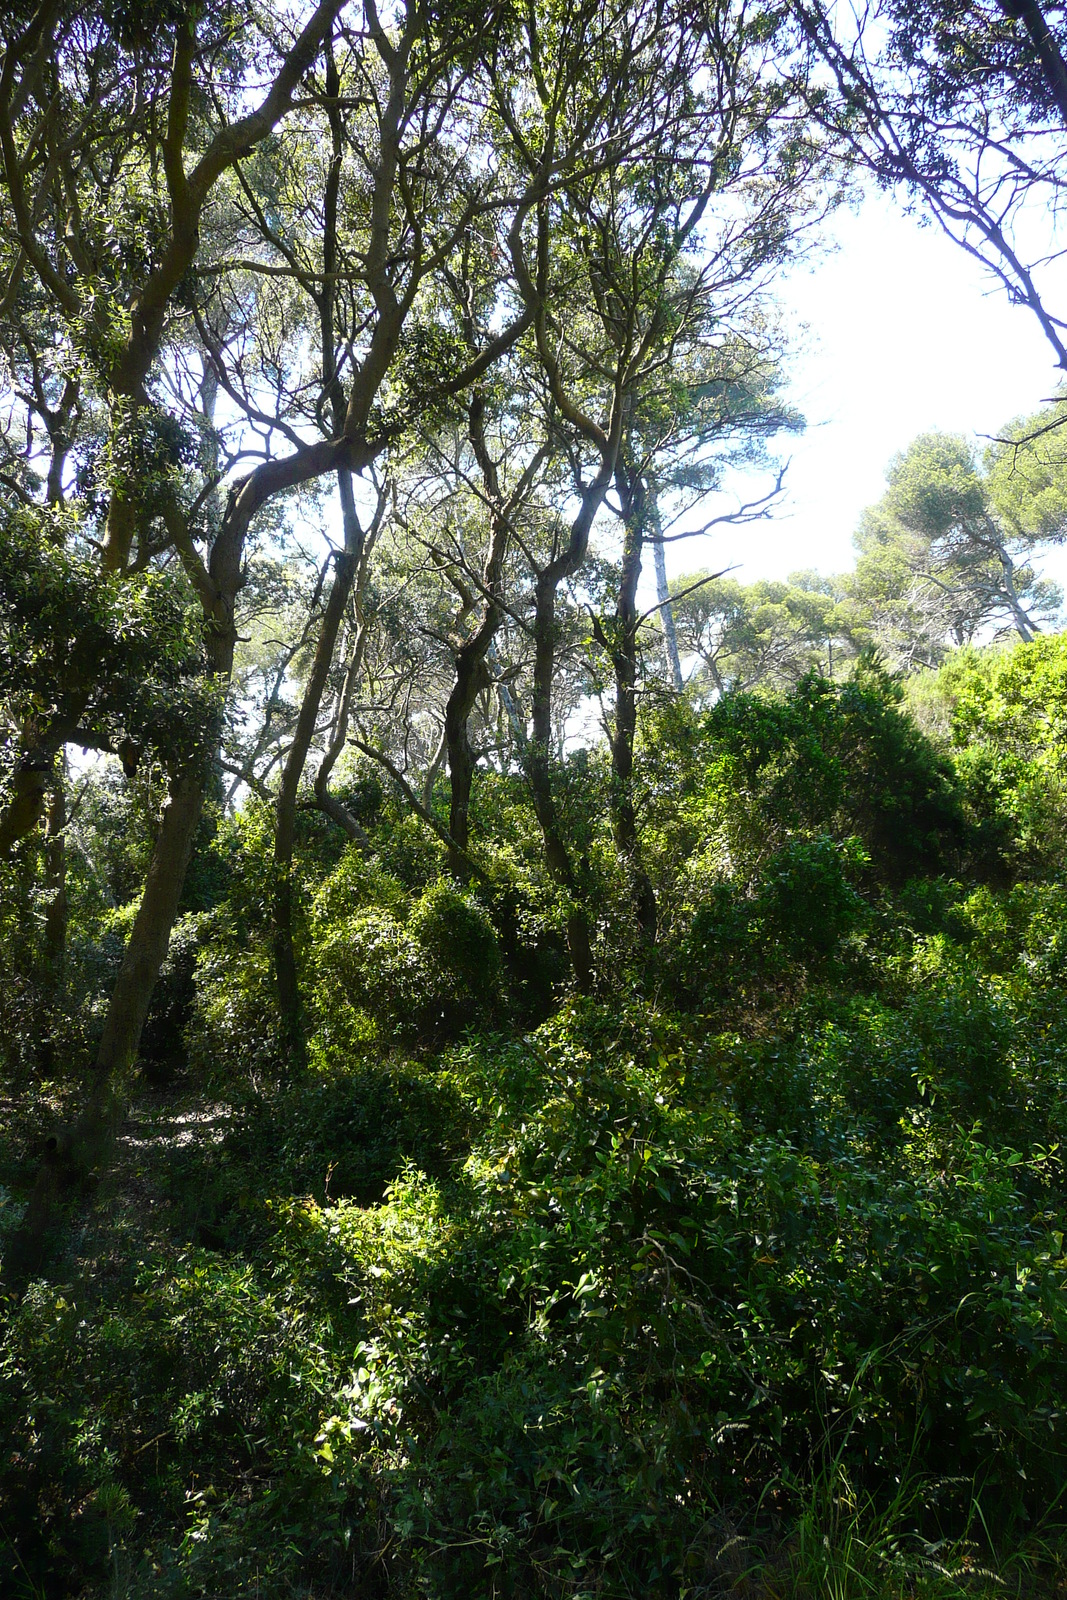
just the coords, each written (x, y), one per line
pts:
(1005, 716)
(145, 453)
(844, 759)
(626, 1309)
(1027, 473)
(122, 660)
(767, 1289)
(368, 967)
(765, 635)
(782, 830)
(944, 553)
(234, 1032)
(804, 900)
(794, 916)
(460, 951)
(421, 972)
(153, 1400)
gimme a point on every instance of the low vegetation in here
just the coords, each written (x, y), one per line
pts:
(743, 1274)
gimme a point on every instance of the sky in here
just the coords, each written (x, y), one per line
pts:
(899, 332)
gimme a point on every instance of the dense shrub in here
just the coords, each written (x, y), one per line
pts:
(788, 924)
(840, 760)
(748, 1271)
(1003, 713)
(420, 973)
(461, 958)
(233, 1032)
(629, 1308)
(179, 1389)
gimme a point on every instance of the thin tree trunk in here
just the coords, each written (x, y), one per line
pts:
(516, 721)
(1026, 629)
(624, 658)
(538, 750)
(326, 802)
(55, 917)
(539, 774)
(285, 807)
(663, 593)
(346, 567)
(437, 761)
(472, 672)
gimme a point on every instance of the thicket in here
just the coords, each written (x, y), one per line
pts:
(744, 1273)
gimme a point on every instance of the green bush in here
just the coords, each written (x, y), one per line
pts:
(630, 1309)
(233, 1033)
(804, 900)
(368, 965)
(422, 980)
(843, 761)
(1003, 713)
(460, 957)
(183, 1390)
(789, 924)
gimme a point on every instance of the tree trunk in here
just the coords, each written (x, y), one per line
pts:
(346, 566)
(326, 802)
(55, 917)
(624, 657)
(28, 803)
(33, 773)
(77, 1149)
(666, 611)
(538, 750)
(430, 776)
(516, 722)
(539, 777)
(472, 676)
(74, 1151)
(285, 807)
(1024, 627)
(1048, 51)
(149, 938)
(472, 672)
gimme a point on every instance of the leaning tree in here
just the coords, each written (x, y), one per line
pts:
(183, 198)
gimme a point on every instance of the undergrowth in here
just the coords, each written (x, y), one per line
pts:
(744, 1277)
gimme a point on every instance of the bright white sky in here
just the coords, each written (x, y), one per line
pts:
(905, 333)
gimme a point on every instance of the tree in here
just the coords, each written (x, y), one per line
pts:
(659, 253)
(766, 634)
(940, 553)
(964, 103)
(138, 211)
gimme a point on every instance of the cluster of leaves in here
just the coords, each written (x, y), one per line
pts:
(1006, 718)
(113, 661)
(633, 1296)
(794, 817)
(947, 555)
